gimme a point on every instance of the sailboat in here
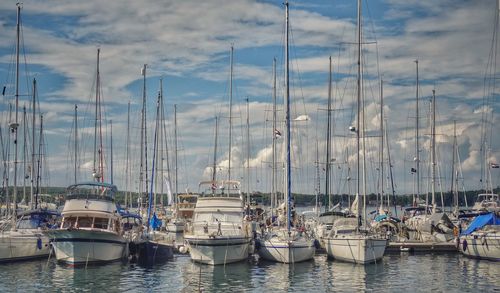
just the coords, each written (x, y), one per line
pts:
(287, 243)
(91, 230)
(21, 235)
(350, 240)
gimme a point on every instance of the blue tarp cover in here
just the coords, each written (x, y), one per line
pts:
(481, 221)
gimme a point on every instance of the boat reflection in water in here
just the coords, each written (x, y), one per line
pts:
(203, 278)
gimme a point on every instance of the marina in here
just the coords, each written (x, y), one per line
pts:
(384, 178)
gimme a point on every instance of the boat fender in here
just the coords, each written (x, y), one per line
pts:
(39, 243)
(464, 245)
(317, 244)
(183, 249)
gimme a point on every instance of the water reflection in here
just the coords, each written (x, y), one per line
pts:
(284, 277)
(234, 277)
(395, 273)
(67, 278)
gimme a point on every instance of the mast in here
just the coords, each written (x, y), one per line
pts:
(288, 168)
(155, 145)
(143, 179)
(328, 139)
(39, 162)
(417, 147)
(33, 123)
(390, 172)
(230, 110)
(111, 150)
(433, 151)
(14, 126)
(358, 119)
(214, 168)
(176, 184)
(76, 142)
(128, 195)
(24, 154)
(381, 165)
(318, 178)
(98, 171)
(454, 188)
(248, 152)
(274, 134)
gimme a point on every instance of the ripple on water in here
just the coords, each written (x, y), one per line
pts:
(395, 273)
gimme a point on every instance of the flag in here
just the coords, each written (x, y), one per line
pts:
(413, 170)
(277, 133)
(494, 165)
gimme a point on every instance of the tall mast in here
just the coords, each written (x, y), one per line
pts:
(162, 144)
(230, 110)
(214, 168)
(14, 126)
(318, 178)
(382, 144)
(358, 118)
(76, 143)
(274, 134)
(248, 152)
(328, 139)
(39, 163)
(24, 153)
(390, 172)
(417, 146)
(33, 123)
(128, 195)
(98, 172)
(144, 130)
(433, 151)
(176, 185)
(111, 150)
(454, 188)
(288, 168)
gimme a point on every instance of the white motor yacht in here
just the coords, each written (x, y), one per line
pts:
(91, 229)
(218, 233)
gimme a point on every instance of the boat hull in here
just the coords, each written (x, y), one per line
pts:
(87, 246)
(287, 251)
(356, 249)
(152, 252)
(481, 245)
(217, 250)
(23, 245)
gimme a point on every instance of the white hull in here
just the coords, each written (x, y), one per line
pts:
(355, 248)
(23, 244)
(217, 250)
(481, 245)
(287, 251)
(87, 246)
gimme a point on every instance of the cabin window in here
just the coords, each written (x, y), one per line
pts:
(101, 223)
(69, 222)
(84, 222)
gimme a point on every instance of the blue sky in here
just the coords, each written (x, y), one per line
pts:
(187, 43)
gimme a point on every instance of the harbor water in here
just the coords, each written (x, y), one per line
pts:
(432, 272)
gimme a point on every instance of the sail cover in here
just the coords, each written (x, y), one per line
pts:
(481, 221)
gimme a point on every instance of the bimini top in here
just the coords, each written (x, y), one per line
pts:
(91, 190)
(481, 221)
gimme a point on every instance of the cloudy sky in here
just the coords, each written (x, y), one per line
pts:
(187, 44)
